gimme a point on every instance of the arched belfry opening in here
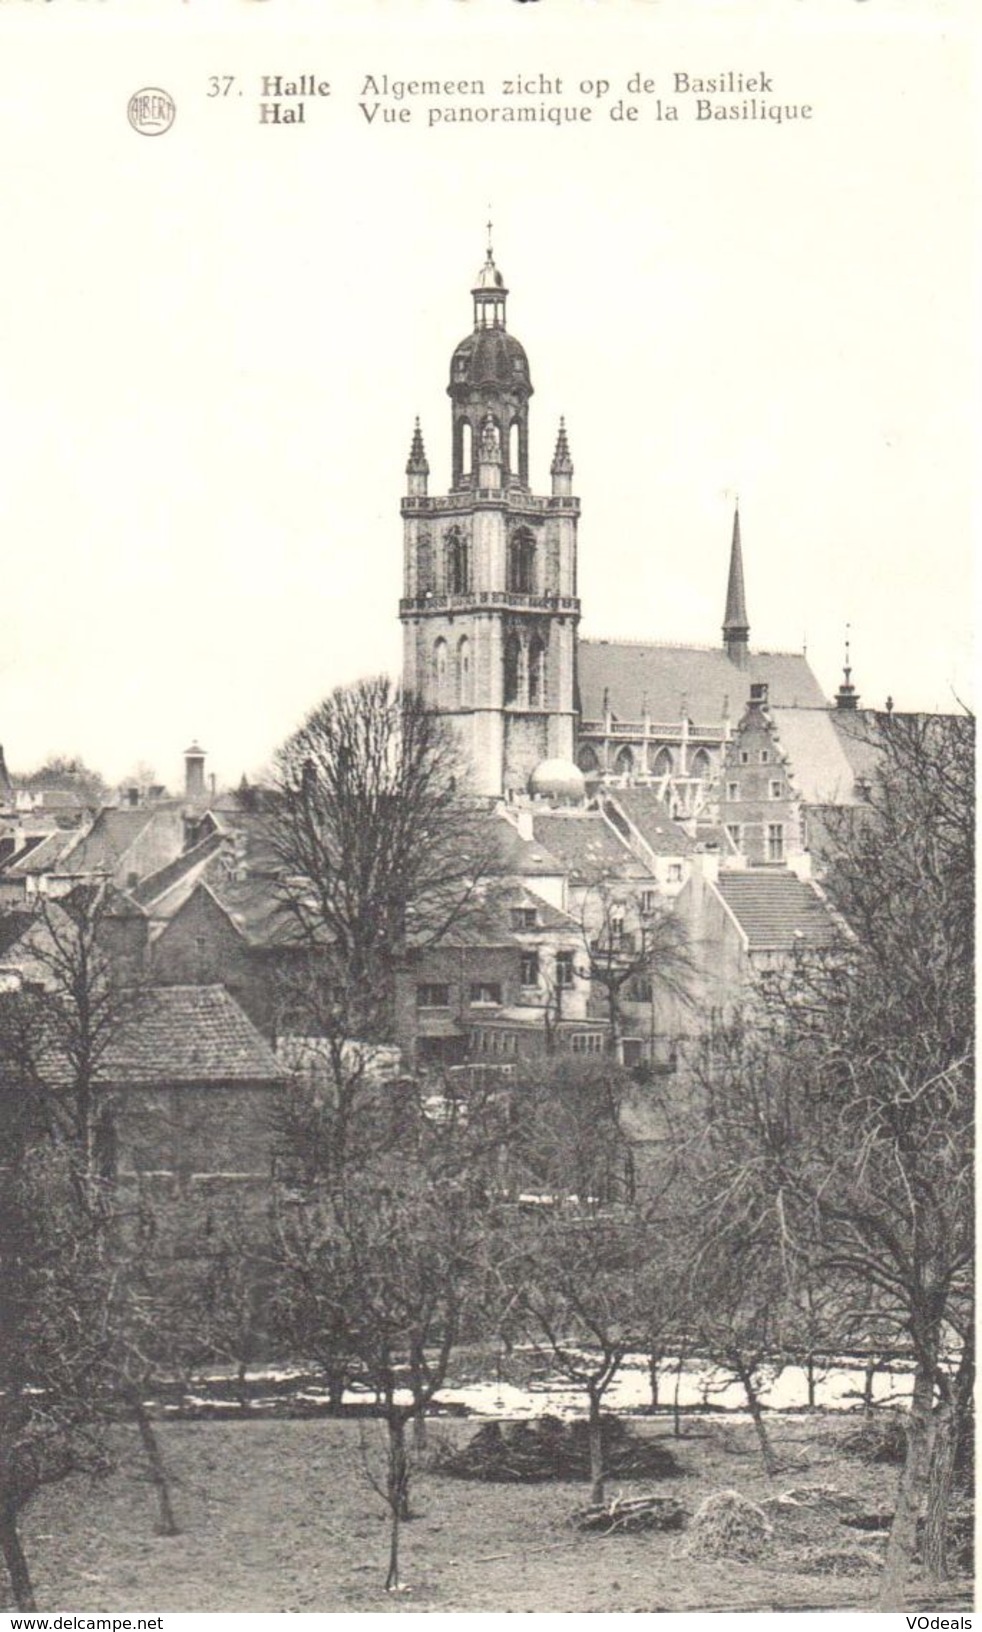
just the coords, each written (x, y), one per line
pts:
(521, 562)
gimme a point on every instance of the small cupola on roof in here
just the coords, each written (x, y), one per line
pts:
(489, 295)
(489, 379)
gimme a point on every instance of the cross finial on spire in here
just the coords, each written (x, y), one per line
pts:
(490, 227)
(846, 696)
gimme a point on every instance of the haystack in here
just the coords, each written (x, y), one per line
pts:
(727, 1525)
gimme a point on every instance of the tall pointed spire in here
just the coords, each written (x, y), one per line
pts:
(736, 626)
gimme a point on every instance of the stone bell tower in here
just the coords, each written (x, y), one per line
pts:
(489, 609)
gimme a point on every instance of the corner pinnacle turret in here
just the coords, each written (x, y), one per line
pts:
(417, 466)
(561, 468)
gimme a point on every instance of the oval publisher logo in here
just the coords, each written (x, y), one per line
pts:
(150, 111)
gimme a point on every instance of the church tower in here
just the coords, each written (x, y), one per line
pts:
(489, 609)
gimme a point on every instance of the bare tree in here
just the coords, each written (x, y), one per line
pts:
(379, 1268)
(861, 1111)
(626, 946)
(68, 1011)
(572, 1286)
(55, 1359)
(58, 1031)
(378, 845)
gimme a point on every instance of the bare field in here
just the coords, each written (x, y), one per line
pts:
(278, 1515)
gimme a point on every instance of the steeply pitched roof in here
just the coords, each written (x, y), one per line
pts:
(188, 1034)
(647, 812)
(587, 845)
(12, 926)
(487, 920)
(859, 732)
(101, 848)
(818, 765)
(183, 870)
(526, 857)
(257, 910)
(41, 853)
(252, 832)
(701, 680)
(776, 910)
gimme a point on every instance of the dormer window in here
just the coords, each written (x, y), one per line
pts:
(524, 918)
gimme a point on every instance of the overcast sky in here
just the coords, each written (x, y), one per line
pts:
(213, 344)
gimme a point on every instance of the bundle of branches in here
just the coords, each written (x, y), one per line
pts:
(628, 1514)
(839, 1560)
(884, 1439)
(548, 1448)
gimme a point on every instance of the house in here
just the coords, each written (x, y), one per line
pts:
(194, 1088)
(744, 922)
(506, 982)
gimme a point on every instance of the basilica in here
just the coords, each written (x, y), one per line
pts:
(490, 617)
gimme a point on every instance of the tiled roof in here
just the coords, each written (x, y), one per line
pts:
(12, 926)
(858, 732)
(185, 869)
(41, 853)
(777, 910)
(647, 812)
(103, 845)
(487, 920)
(702, 680)
(252, 830)
(526, 857)
(587, 845)
(256, 908)
(817, 760)
(184, 1034)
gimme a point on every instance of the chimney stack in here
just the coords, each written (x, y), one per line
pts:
(194, 771)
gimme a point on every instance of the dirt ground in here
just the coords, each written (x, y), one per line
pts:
(279, 1515)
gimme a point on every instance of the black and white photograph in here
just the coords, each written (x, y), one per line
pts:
(487, 808)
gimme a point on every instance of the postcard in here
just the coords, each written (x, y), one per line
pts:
(606, 375)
